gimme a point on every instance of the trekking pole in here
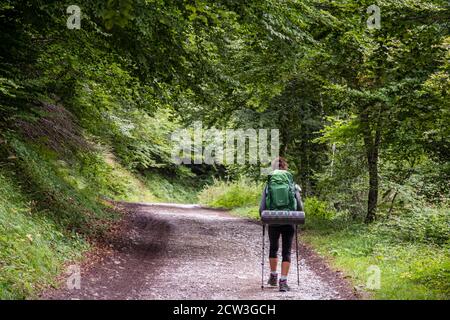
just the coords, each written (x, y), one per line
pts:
(262, 260)
(296, 247)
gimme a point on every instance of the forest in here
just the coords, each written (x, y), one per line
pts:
(90, 95)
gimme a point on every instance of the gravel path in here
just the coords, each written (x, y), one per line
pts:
(187, 252)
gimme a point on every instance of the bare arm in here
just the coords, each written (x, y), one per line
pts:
(262, 204)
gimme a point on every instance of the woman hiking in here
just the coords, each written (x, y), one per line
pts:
(280, 193)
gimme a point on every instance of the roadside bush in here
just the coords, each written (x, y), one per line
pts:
(168, 189)
(226, 194)
(426, 225)
(318, 209)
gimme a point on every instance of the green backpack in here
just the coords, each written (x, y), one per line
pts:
(280, 194)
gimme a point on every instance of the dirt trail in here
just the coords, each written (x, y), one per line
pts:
(187, 252)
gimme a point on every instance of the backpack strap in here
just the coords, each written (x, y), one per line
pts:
(292, 190)
(268, 200)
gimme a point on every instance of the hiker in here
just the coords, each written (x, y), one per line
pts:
(284, 195)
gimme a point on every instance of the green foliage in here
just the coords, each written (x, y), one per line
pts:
(227, 194)
(171, 189)
(318, 209)
(57, 191)
(342, 182)
(423, 225)
(242, 196)
(101, 174)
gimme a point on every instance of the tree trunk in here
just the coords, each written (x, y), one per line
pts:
(372, 157)
(392, 203)
(372, 143)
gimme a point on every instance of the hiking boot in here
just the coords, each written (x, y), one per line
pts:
(273, 280)
(284, 286)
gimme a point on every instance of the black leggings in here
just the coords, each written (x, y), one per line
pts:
(287, 234)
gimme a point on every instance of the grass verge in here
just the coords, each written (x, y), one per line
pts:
(406, 270)
(34, 247)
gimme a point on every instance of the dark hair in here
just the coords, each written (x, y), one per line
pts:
(279, 163)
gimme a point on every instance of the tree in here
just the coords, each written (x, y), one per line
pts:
(374, 71)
